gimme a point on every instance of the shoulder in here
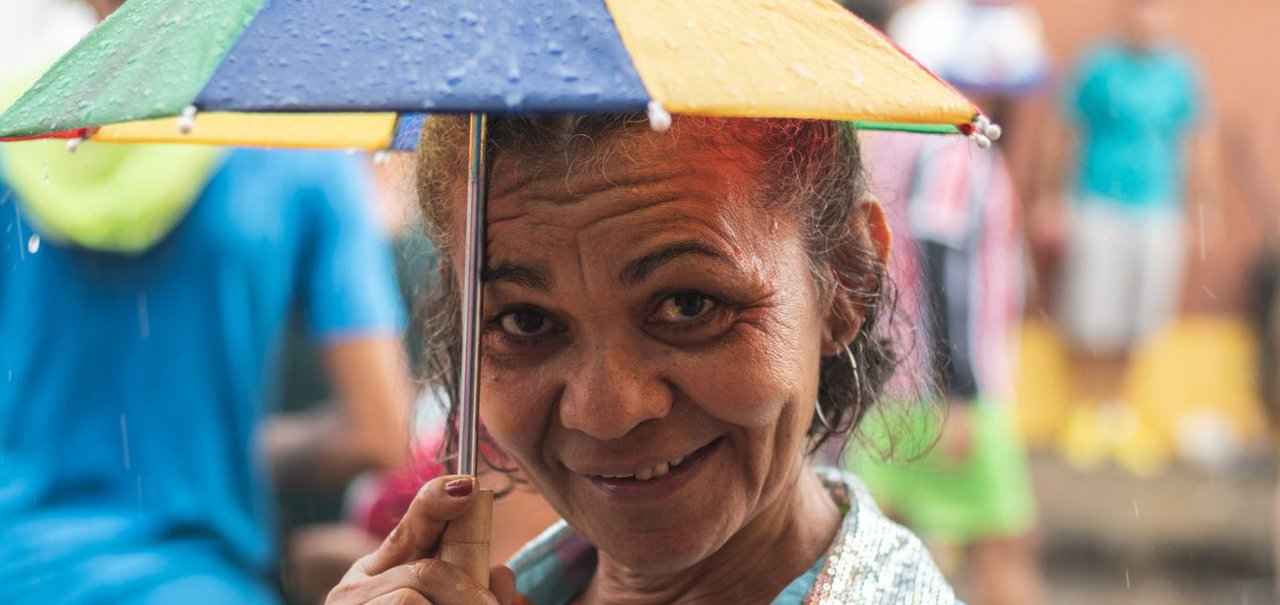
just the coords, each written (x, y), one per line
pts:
(554, 566)
(872, 553)
(541, 548)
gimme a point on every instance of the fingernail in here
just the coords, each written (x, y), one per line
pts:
(458, 487)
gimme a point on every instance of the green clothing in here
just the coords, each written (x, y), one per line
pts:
(986, 495)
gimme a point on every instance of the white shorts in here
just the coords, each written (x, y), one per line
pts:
(1123, 275)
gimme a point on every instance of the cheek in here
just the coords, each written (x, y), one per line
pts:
(514, 406)
(769, 370)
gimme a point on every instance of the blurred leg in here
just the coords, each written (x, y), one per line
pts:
(1099, 309)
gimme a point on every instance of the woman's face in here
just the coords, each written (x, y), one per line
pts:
(651, 343)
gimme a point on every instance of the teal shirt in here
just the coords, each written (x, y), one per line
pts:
(1132, 112)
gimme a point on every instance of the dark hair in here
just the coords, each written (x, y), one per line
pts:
(809, 169)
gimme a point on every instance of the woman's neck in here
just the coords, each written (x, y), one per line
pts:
(774, 548)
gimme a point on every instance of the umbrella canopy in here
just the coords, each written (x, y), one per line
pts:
(364, 73)
(361, 73)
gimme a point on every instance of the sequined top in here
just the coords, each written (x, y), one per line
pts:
(873, 561)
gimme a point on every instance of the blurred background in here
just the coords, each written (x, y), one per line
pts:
(1175, 505)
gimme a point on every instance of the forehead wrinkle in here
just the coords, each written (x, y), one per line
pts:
(565, 183)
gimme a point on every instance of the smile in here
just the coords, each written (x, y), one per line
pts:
(665, 475)
(648, 473)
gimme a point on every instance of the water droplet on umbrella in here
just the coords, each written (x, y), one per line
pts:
(454, 76)
(513, 99)
(33, 244)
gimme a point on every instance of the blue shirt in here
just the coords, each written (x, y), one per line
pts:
(1133, 111)
(132, 388)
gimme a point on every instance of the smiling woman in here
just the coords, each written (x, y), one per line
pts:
(672, 323)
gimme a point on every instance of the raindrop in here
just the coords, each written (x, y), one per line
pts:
(144, 318)
(454, 76)
(513, 99)
(33, 244)
(124, 440)
(804, 72)
(469, 18)
(1200, 210)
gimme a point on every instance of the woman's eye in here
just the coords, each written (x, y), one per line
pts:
(525, 323)
(683, 307)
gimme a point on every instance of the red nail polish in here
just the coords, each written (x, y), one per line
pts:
(458, 487)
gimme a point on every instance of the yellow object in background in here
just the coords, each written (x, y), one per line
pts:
(1190, 387)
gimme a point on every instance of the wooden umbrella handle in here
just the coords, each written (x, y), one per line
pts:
(465, 542)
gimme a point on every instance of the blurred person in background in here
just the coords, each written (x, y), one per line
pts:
(1252, 170)
(1135, 149)
(143, 293)
(958, 262)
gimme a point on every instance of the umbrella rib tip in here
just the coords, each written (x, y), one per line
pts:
(659, 118)
(187, 122)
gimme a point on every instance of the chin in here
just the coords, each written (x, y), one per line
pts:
(662, 552)
(654, 557)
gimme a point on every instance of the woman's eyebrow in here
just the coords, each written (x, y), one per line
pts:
(637, 270)
(520, 275)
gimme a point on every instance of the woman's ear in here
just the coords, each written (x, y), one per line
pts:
(845, 312)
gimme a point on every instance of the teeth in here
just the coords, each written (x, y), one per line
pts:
(652, 472)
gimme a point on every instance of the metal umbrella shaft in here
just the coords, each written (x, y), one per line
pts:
(473, 265)
(465, 540)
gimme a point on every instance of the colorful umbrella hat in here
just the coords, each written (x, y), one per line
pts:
(362, 73)
(370, 68)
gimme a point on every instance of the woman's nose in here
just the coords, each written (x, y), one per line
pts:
(612, 393)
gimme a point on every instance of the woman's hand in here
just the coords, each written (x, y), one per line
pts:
(403, 571)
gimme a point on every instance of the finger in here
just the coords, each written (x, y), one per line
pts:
(439, 501)
(404, 596)
(439, 582)
(502, 583)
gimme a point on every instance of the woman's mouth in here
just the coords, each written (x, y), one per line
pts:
(651, 472)
(647, 479)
